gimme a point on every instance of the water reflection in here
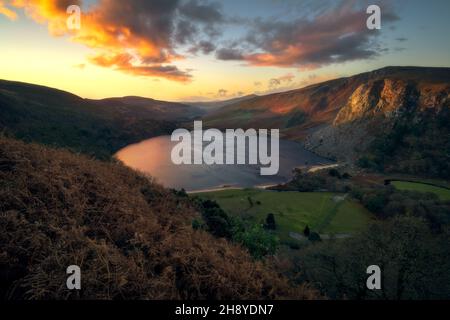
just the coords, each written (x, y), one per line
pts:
(152, 157)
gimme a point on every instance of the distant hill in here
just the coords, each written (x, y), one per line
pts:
(146, 108)
(210, 106)
(95, 127)
(340, 118)
(131, 238)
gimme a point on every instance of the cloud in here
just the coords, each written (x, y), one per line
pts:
(80, 66)
(10, 14)
(206, 47)
(124, 62)
(151, 36)
(290, 82)
(283, 80)
(229, 54)
(222, 93)
(50, 12)
(337, 35)
(209, 13)
(148, 31)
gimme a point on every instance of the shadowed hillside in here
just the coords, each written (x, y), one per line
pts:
(99, 128)
(145, 108)
(132, 238)
(211, 106)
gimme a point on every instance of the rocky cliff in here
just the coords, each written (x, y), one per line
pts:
(378, 104)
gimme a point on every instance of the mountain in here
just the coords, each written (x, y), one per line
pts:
(146, 108)
(210, 106)
(95, 127)
(340, 118)
(131, 238)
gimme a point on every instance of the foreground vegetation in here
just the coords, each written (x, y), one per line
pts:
(131, 238)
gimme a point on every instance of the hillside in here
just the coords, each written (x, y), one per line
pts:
(131, 238)
(211, 106)
(146, 108)
(340, 118)
(98, 128)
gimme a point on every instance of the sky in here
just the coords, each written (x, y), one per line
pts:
(198, 50)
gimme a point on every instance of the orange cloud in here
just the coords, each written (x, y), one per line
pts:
(132, 36)
(124, 62)
(10, 14)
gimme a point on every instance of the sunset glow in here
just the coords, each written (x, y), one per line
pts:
(197, 50)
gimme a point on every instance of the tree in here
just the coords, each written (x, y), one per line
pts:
(270, 222)
(334, 173)
(250, 201)
(218, 222)
(306, 231)
(258, 241)
(413, 261)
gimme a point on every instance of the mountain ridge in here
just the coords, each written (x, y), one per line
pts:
(339, 118)
(58, 118)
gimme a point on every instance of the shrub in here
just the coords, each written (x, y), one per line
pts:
(258, 241)
(307, 231)
(270, 222)
(314, 237)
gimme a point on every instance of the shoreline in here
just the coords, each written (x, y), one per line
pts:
(311, 169)
(224, 188)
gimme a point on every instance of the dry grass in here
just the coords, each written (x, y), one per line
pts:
(131, 237)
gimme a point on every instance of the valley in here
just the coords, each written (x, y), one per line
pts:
(97, 174)
(324, 212)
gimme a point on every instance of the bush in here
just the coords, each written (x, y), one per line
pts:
(334, 173)
(346, 175)
(307, 231)
(258, 241)
(314, 237)
(217, 221)
(270, 222)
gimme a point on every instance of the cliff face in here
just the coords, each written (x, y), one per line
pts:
(384, 97)
(391, 98)
(375, 107)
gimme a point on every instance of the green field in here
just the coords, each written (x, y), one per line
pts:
(322, 211)
(442, 193)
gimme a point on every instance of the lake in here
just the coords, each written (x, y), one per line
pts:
(152, 157)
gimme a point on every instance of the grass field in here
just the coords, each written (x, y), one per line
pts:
(444, 194)
(322, 211)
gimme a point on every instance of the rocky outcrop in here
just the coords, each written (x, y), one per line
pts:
(373, 108)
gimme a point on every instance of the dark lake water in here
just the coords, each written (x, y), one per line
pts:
(153, 157)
